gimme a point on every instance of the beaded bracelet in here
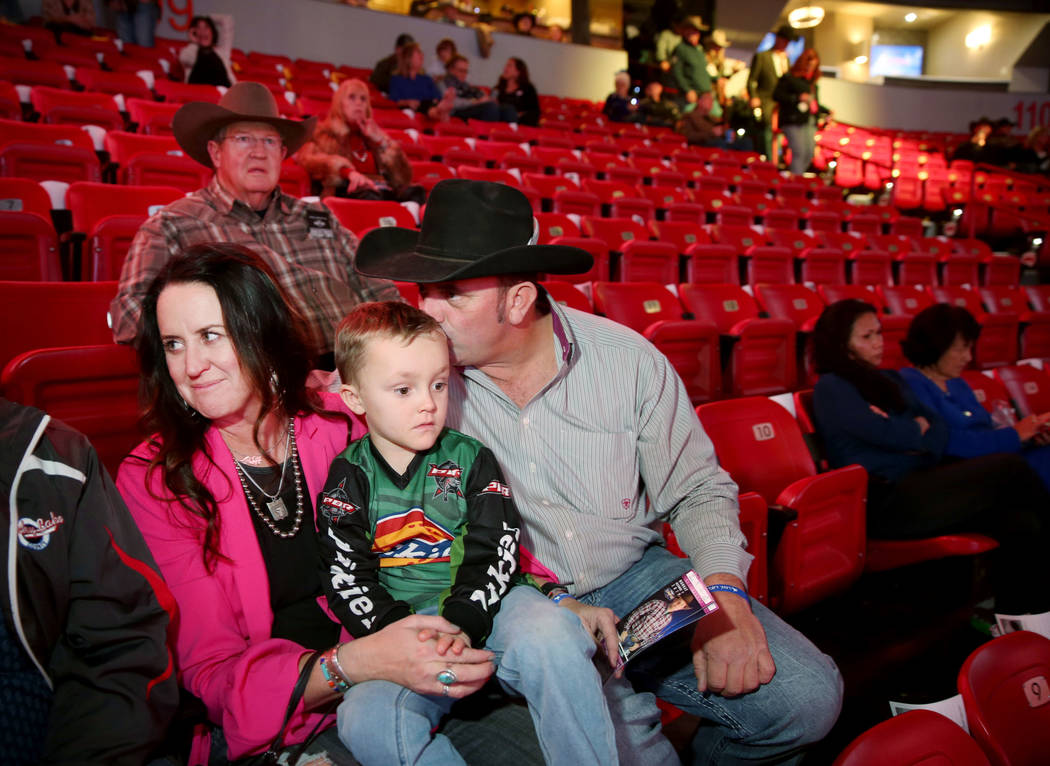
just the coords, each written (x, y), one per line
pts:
(338, 666)
(731, 589)
(335, 683)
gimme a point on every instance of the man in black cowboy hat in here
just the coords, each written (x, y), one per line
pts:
(244, 139)
(767, 68)
(597, 436)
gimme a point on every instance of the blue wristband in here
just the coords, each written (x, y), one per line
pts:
(560, 596)
(731, 589)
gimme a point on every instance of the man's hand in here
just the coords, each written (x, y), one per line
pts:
(730, 653)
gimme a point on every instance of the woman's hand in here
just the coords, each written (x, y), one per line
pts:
(924, 425)
(1031, 426)
(356, 181)
(370, 129)
(406, 653)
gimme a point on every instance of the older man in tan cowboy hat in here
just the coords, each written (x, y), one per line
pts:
(244, 139)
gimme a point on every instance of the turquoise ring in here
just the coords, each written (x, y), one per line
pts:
(446, 677)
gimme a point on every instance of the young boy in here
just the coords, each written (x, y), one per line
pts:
(417, 518)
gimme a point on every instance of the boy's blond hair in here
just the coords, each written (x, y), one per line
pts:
(390, 319)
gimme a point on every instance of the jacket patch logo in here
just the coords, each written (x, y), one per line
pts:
(336, 505)
(446, 476)
(411, 538)
(496, 488)
(35, 534)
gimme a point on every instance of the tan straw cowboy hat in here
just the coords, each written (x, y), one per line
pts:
(196, 123)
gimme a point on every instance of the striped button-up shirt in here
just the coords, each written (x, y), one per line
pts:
(311, 253)
(605, 451)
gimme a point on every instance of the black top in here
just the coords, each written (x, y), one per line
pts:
(208, 69)
(291, 564)
(524, 99)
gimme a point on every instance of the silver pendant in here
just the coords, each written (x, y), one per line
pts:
(277, 509)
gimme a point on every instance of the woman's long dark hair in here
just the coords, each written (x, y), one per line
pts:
(523, 74)
(211, 24)
(831, 354)
(272, 347)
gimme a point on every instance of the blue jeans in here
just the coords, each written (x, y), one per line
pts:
(139, 27)
(801, 139)
(771, 724)
(542, 653)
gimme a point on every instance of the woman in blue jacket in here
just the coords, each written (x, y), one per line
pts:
(940, 343)
(869, 416)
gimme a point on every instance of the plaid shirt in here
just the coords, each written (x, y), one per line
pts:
(311, 253)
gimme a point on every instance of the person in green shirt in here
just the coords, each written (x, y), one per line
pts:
(690, 64)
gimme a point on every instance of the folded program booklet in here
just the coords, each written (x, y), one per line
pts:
(676, 605)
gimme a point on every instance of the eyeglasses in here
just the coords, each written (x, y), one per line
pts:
(246, 142)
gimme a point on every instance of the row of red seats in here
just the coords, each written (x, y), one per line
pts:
(1002, 685)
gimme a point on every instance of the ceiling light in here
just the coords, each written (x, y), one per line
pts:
(979, 37)
(910, 17)
(806, 17)
(860, 60)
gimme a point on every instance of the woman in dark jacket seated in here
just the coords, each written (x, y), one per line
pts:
(939, 343)
(869, 416)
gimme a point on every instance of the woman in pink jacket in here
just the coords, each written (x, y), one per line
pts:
(223, 493)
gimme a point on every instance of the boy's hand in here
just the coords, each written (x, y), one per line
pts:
(454, 642)
(601, 624)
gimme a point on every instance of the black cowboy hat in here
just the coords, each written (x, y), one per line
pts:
(470, 229)
(196, 123)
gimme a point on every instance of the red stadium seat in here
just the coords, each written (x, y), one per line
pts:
(577, 202)
(768, 264)
(1035, 325)
(614, 232)
(22, 195)
(154, 161)
(294, 180)
(599, 272)
(681, 234)
(1029, 388)
(568, 295)
(987, 390)
(1003, 684)
(870, 267)
(361, 215)
(64, 107)
(795, 302)
(555, 225)
(758, 355)
(126, 83)
(650, 309)
(835, 293)
(151, 117)
(107, 247)
(21, 71)
(645, 261)
(904, 300)
(91, 202)
(181, 93)
(52, 313)
(93, 389)
(821, 552)
(914, 738)
(29, 247)
(428, 174)
(712, 264)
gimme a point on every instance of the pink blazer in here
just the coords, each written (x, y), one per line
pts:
(223, 646)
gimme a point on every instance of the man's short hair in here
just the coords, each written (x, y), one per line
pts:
(403, 39)
(455, 60)
(388, 319)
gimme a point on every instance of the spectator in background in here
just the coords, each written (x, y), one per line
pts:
(445, 50)
(206, 60)
(244, 139)
(618, 105)
(74, 16)
(514, 89)
(136, 20)
(666, 42)
(940, 344)
(870, 417)
(85, 673)
(767, 68)
(657, 110)
(412, 89)
(720, 69)
(976, 149)
(385, 67)
(470, 101)
(796, 96)
(1003, 146)
(351, 156)
(690, 65)
(524, 23)
(557, 34)
(1034, 156)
